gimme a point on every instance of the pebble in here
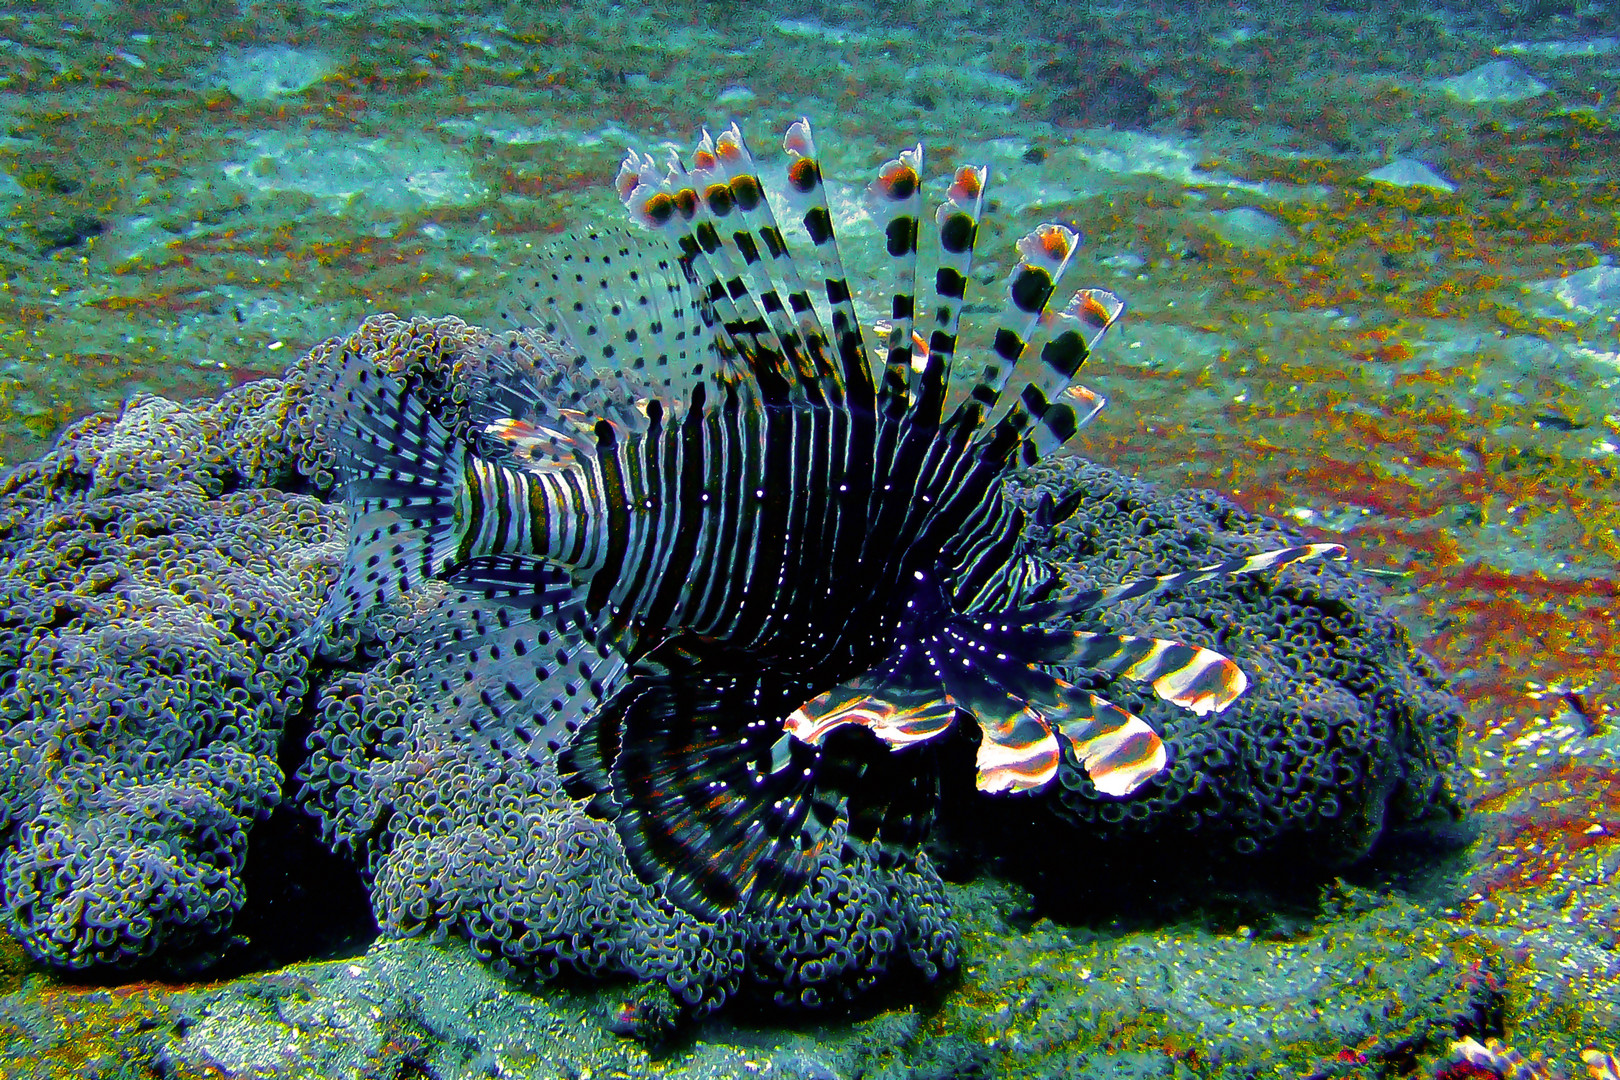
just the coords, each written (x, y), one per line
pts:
(1407, 172)
(1498, 82)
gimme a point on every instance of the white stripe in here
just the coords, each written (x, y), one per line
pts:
(730, 509)
(701, 554)
(658, 546)
(594, 515)
(517, 532)
(488, 497)
(556, 515)
(755, 507)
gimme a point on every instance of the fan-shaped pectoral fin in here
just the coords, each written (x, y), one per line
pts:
(1028, 715)
(1190, 676)
(1118, 750)
(1195, 678)
(1017, 749)
(898, 712)
(1018, 752)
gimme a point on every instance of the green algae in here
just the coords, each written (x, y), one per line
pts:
(15, 964)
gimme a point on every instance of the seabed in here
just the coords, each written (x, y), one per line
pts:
(1368, 256)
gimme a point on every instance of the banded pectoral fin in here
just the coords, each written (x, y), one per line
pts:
(1018, 751)
(897, 712)
(1191, 676)
(1117, 749)
(720, 809)
(1027, 717)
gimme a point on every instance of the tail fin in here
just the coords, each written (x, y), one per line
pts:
(401, 472)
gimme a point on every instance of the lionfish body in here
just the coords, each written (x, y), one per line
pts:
(711, 600)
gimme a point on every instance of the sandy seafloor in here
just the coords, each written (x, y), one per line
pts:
(1423, 369)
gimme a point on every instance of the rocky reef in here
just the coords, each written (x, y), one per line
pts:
(161, 565)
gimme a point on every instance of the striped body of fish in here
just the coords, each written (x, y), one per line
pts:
(736, 593)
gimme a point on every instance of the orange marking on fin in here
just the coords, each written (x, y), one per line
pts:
(896, 176)
(967, 184)
(1055, 242)
(1006, 767)
(658, 208)
(802, 174)
(1093, 311)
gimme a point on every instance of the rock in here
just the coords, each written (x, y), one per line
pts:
(1499, 82)
(1406, 173)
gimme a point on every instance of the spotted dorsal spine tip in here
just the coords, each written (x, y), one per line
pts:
(807, 197)
(799, 327)
(763, 270)
(957, 220)
(896, 199)
(1043, 256)
(668, 200)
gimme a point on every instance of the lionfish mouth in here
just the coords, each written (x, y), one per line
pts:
(734, 570)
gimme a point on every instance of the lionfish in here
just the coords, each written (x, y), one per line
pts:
(737, 594)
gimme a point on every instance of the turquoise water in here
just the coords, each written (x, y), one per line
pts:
(1366, 256)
